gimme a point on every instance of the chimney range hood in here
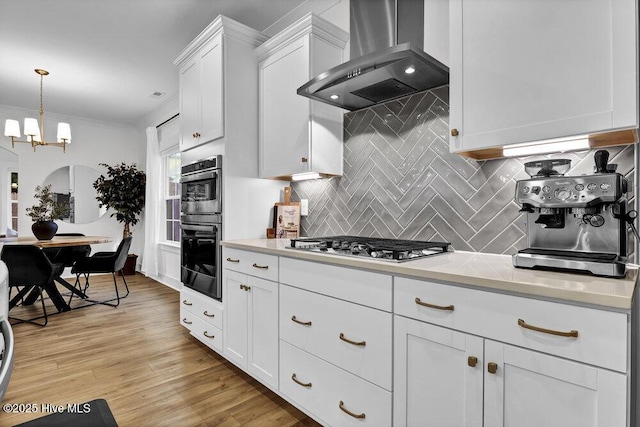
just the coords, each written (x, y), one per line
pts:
(380, 69)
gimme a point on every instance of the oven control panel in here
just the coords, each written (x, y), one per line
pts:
(574, 191)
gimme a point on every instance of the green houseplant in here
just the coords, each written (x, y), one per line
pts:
(45, 212)
(122, 190)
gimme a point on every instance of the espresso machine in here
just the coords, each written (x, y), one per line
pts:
(575, 223)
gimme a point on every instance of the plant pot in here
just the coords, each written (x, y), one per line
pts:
(44, 230)
(129, 268)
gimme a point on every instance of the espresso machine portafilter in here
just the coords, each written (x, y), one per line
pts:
(575, 223)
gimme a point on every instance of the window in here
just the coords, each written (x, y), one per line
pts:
(14, 201)
(172, 196)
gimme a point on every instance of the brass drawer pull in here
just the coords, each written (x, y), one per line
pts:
(185, 302)
(472, 361)
(454, 132)
(233, 260)
(245, 287)
(360, 343)
(297, 381)
(346, 411)
(186, 321)
(492, 367)
(264, 267)
(437, 307)
(572, 333)
(208, 336)
(206, 313)
(300, 322)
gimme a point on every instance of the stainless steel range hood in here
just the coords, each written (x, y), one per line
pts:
(380, 69)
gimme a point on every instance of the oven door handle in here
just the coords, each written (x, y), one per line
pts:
(195, 227)
(199, 176)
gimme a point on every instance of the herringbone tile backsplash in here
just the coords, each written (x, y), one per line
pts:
(400, 181)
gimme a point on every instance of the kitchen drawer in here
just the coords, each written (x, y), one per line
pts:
(186, 317)
(206, 308)
(207, 334)
(602, 335)
(252, 263)
(368, 355)
(327, 386)
(350, 284)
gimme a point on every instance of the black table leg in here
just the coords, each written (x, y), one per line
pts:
(56, 298)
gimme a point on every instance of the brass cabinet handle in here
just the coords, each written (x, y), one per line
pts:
(233, 260)
(264, 267)
(185, 302)
(245, 287)
(207, 335)
(472, 361)
(360, 343)
(492, 367)
(300, 322)
(572, 333)
(304, 160)
(186, 321)
(437, 307)
(346, 411)
(297, 381)
(206, 313)
(454, 132)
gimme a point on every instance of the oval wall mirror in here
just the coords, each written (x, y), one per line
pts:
(74, 185)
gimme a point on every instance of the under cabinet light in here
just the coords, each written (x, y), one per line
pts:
(548, 146)
(306, 175)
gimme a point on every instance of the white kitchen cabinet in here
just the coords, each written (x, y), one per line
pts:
(251, 324)
(296, 134)
(211, 69)
(201, 96)
(530, 389)
(478, 382)
(202, 316)
(438, 379)
(535, 70)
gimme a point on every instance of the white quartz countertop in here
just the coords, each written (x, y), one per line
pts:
(476, 269)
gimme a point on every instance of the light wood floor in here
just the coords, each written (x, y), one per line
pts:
(138, 358)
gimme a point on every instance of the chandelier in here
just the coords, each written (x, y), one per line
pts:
(34, 130)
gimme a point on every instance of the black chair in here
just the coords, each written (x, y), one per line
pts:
(30, 270)
(67, 255)
(104, 262)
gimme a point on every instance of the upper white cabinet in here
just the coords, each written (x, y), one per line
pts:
(299, 135)
(205, 71)
(534, 70)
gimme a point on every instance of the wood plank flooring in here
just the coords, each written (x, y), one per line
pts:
(138, 358)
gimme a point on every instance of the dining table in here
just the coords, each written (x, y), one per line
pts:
(56, 242)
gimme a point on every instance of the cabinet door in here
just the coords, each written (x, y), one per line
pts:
(235, 317)
(263, 330)
(436, 380)
(211, 90)
(531, 70)
(189, 104)
(531, 389)
(284, 118)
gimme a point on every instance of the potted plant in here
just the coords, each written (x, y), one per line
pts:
(122, 190)
(45, 212)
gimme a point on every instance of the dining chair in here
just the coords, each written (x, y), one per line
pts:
(104, 262)
(29, 270)
(67, 255)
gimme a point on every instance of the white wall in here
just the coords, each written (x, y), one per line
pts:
(92, 143)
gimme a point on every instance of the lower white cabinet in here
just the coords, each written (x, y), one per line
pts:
(332, 395)
(203, 317)
(251, 325)
(448, 378)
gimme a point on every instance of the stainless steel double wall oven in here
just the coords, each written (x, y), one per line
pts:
(201, 225)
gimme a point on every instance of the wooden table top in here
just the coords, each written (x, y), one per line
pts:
(57, 241)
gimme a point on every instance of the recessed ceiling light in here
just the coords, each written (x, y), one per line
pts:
(157, 94)
(334, 96)
(410, 70)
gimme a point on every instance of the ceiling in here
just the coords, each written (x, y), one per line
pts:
(107, 58)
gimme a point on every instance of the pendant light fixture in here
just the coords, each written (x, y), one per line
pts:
(34, 130)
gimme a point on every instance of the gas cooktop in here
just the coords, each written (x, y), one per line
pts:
(393, 250)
